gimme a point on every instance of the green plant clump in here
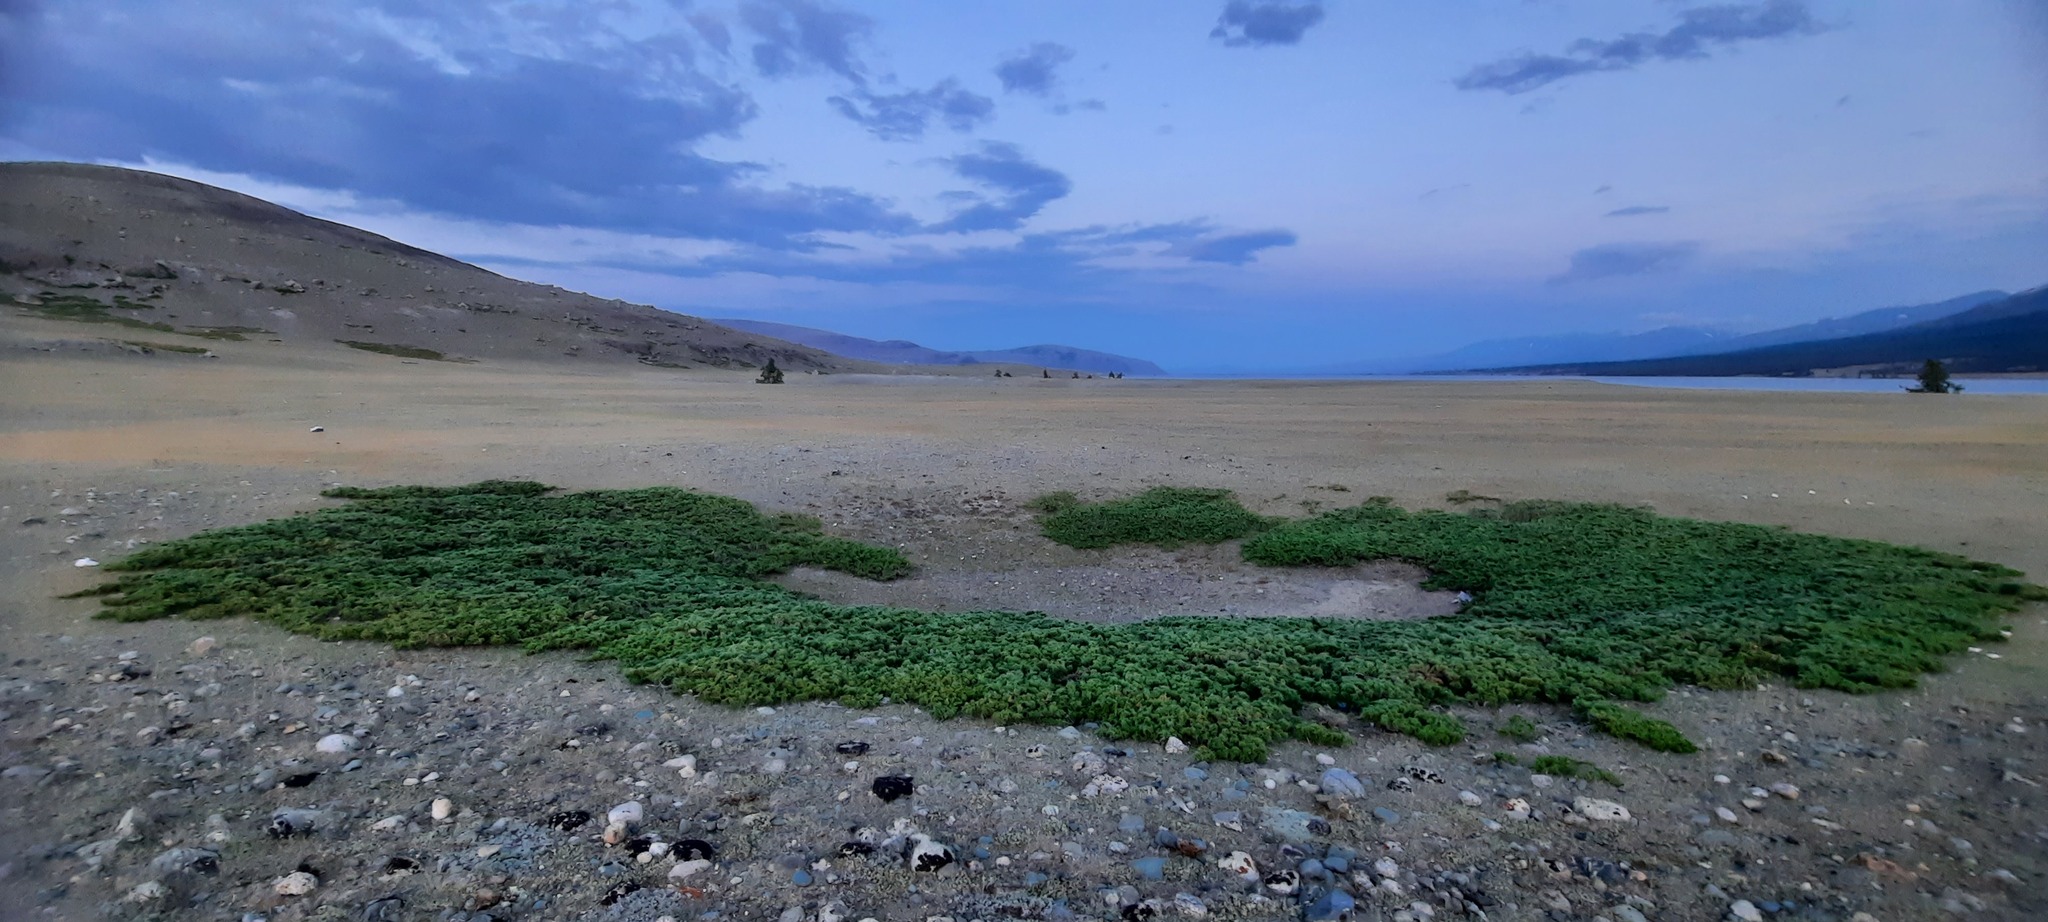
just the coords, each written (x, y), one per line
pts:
(1568, 767)
(1521, 729)
(81, 309)
(1165, 516)
(1581, 605)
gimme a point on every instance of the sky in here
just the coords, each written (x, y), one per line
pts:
(1215, 185)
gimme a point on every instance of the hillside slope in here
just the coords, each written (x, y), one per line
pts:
(201, 260)
(2007, 335)
(910, 353)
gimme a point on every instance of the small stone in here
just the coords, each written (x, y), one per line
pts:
(1518, 808)
(1240, 865)
(684, 870)
(1726, 815)
(1087, 762)
(928, 854)
(1599, 810)
(1338, 782)
(1746, 911)
(1334, 905)
(1786, 790)
(628, 814)
(1150, 868)
(1190, 905)
(337, 743)
(1325, 759)
(148, 891)
(1386, 868)
(297, 883)
(442, 809)
(1175, 746)
(85, 562)
(1470, 799)
(202, 646)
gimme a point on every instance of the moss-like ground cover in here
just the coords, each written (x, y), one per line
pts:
(404, 352)
(1580, 605)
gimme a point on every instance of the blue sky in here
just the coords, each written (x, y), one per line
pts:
(1223, 184)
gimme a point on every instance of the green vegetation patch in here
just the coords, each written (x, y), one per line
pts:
(1567, 767)
(1163, 516)
(1589, 606)
(82, 309)
(404, 352)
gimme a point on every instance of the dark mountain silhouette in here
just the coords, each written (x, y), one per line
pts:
(2003, 336)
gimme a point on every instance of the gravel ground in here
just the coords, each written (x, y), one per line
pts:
(226, 770)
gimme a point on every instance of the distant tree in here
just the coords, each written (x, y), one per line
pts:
(770, 374)
(1045, 372)
(1934, 380)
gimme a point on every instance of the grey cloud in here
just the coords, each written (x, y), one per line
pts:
(713, 31)
(800, 34)
(1033, 70)
(1235, 249)
(1022, 187)
(1633, 210)
(1612, 260)
(1698, 31)
(905, 116)
(1265, 22)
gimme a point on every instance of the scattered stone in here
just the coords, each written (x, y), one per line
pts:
(337, 743)
(1088, 762)
(85, 562)
(1599, 810)
(891, 787)
(202, 646)
(1470, 799)
(1175, 746)
(1745, 911)
(297, 883)
(1338, 782)
(628, 814)
(1786, 790)
(1334, 905)
(442, 810)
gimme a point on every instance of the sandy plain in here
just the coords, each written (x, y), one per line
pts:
(148, 447)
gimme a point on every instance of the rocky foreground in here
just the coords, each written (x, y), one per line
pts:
(249, 775)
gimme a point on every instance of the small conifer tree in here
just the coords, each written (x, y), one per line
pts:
(1934, 380)
(770, 374)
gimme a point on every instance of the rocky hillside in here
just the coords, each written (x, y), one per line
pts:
(132, 248)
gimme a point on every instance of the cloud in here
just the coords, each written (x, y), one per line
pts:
(904, 116)
(517, 119)
(1633, 210)
(1698, 31)
(1023, 187)
(1033, 70)
(797, 35)
(1613, 260)
(1234, 249)
(1265, 22)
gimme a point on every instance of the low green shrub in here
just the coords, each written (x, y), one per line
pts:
(1567, 767)
(1521, 729)
(1163, 516)
(1575, 605)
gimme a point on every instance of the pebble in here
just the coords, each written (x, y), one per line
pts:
(1599, 810)
(1386, 815)
(202, 646)
(1726, 815)
(1786, 790)
(337, 743)
(1150, 868)
(1175, 746)
(1334, 905)
(1746, 911)
(684, 870)
(628, 814)
(1470, 799)
(85, 562)
(442, 809)
(297, 883)
(1341, 783)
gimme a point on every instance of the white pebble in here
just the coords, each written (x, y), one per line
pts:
(85, 562)
(443, 809)
(334, 743)
(626, 814)
(297, 883)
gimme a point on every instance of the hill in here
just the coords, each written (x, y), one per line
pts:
(2003, 336)
(898, 351)
(1670, 342)
(143, 250)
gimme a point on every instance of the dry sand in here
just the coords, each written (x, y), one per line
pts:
(941, 467)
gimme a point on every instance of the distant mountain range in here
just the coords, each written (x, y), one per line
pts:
(1679, 341)
(2006, 335)
(904, 352)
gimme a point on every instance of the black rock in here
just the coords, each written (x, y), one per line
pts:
(619, 892)
(568, 819)
(851, 748)
(692, 850)
(299, 780)
(891, 787)
(400, 864)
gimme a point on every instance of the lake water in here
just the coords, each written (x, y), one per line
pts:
(1837, 385)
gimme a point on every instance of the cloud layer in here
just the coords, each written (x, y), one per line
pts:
(1698, 31)
(1033, 70)
(1614, 260)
